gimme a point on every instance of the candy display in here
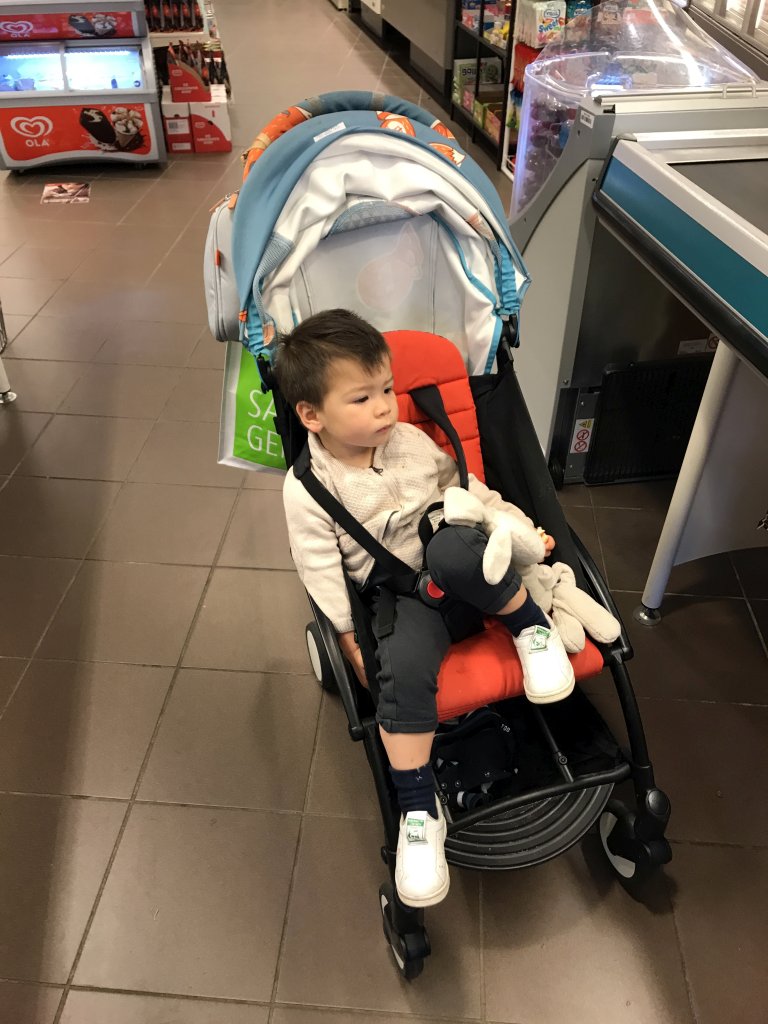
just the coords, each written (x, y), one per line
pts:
(192, 69)
(174, 16)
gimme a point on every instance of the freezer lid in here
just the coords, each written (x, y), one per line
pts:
(33, 20)
(709, 247)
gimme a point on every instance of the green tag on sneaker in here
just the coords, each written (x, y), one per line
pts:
(539, 638)
(416, 829)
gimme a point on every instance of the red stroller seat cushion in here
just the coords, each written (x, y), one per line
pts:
(485, 668)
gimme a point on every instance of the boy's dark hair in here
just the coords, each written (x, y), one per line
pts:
(304, 356)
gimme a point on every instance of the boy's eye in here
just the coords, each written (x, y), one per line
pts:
(389, 390)
(359, 401)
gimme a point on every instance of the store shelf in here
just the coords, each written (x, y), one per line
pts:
(492, 47)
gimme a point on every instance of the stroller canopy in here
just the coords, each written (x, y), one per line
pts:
(365, 201)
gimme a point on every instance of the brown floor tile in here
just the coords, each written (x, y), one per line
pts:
(67, 338)
(28, 1004)
(154, 240)
(564, 942)
(14, 325)
(184, 453)
(208, 353)
(264, 480)
(208, 169)
(197, 396)
(690, 653)
(293, 1015)
(34, 262)
(137, 391)
(335, 906)
(653, 495)
(75, 298)
(87, 447)
(722, 932)
(235, 739)
(582, 521)
(119, 1008)
(18, 432)
(207, 917)
(174, 303)
(80, 729)
(103, 268)
(126, 612)
(10, 673)
(57, 234)
(752, 567)
(164, 523)
(574, 495)
(162, 210)
(6, 251)
(760, 609)
(27, 295)
(53, 854)
(176, 191)
(341, 781)
(710, 760)
(629, 538)
(30, 590)
(148, 344)
(258, 536)
(41, 386)
(251, 620)
(54, 518)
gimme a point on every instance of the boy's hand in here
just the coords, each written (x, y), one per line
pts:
(549, 541)
(353, 654)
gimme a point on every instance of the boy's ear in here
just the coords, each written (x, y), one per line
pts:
(309, 416)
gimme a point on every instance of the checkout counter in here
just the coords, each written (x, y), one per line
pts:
(641, 209)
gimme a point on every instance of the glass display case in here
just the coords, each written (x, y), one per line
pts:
(38, 70)
(88, 69)
(643, 46)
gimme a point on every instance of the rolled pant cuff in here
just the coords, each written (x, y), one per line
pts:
(391, 725)
(496, 605)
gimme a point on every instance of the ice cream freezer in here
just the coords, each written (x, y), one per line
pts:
(77, 82)
(639, 204)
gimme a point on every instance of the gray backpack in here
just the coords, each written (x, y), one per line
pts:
(221, 294)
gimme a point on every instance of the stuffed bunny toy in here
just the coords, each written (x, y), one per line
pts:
(512, 540)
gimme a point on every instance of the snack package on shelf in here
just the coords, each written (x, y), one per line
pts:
(541, 21)
(174, 16)
(498, 33)
(492, 124)
(470, 14)
(193, 69)
(465, 71)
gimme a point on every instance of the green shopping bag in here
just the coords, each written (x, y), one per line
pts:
(247, 435)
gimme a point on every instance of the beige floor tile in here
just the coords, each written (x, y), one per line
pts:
(720, 894)
(88, 447)
(135, 391)
(335, 906)
(207, 918)
(154, 240)
(6, 251)
(41, 386)
(120, 1008)
(251, 620)
(54, 518)
(184, 453)
(80, 729)
(66, 338)
(28, 1004)
(235, 739)
(55, 234)
(208, 353)
(172, 214)
(35, 262)
(126, 612)
(149, 344)
(164, 523)
(18, 433)
(257, 536)
(196, 396)
(341, 782)
(174, 303)
(14, 325)
(258, 480)
(10, 673)
(30, 590)
(27, 295)
(294, 1015)
(53, 854)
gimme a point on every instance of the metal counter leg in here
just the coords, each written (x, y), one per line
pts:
(712, 402)
(6, 395)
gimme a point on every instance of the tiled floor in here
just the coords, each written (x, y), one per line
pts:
(186, 832)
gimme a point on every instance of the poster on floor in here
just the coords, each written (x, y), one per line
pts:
(66, 192)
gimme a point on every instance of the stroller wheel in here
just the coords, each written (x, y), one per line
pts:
(633, 859)
(408, 948)
(318, 655)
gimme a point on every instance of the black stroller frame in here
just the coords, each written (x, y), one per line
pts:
(540, 823)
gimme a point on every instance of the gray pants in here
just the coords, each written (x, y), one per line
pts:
(409, 658)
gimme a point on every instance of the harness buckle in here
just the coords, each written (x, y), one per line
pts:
(429, 592)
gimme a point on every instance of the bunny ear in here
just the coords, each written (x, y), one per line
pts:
(497, 555)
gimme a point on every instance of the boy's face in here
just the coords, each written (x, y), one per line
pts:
(359, 409)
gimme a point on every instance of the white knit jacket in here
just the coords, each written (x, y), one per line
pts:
(408, 474)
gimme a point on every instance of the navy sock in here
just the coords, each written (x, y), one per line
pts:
(415, 789)
(528, 614)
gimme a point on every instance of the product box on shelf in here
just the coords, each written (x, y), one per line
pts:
(465, 72)
(540, 21)
(211, 130)
(188, 75)
(492, 122)
(176, 123)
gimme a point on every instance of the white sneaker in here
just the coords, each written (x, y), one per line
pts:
(421, 872)
(547, 672)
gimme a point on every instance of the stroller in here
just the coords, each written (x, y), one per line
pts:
(365, 201)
